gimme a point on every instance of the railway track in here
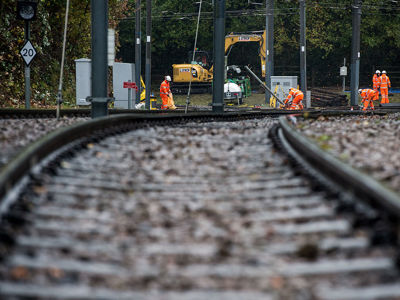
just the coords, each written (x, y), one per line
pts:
(176, 208)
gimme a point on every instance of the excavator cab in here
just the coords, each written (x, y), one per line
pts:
(201, 58)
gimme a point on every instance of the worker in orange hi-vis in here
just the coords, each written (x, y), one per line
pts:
(367, 97)
(375, 83)
(384, 83)
(166, 94)
(294, 99)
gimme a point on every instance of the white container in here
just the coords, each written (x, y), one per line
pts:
(83, 73)
(123, 72)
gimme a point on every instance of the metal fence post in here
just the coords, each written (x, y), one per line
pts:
(27, 71)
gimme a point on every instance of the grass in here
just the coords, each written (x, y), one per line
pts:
(256, 99)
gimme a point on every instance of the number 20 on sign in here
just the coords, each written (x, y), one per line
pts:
(28, 52)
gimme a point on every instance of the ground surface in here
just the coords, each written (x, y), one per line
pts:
(256, 99)
(368, 143)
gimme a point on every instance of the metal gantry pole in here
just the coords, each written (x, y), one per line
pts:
(148, 53)
(99, 58)
(27, 71)
(138, 51)
(269, 44)
(219, 60)
(355, 52)
(303, 65)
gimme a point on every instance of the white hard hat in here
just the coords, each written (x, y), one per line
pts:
(378, 72)
(168, 78)
(383, 72)
(359, 91)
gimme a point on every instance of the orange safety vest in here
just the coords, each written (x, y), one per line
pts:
(375, 82)
(293, 93)
(367, 94)
(164, 88)
(384, 81)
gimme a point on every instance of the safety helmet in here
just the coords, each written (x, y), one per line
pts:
(359, 91)
(383, 72)
(168, 78)
(378, 72)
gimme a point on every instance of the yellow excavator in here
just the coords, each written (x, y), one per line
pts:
(201, 70)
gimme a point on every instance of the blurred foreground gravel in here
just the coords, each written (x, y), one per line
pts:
(368, 143)
(17, 133)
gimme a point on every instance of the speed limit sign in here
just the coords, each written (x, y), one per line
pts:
(28, 52)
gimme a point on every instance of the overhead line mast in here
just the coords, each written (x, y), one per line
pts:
(355, 52)
(269, 45)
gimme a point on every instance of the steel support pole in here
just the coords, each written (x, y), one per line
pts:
(303, 65)
(27, 70)
(148, 53)
(219, 60)
(99, 58)
(269, 45)
(138, 51)
(355, 52)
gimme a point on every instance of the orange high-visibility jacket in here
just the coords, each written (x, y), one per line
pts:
(375, 82)
(367, 94)
(293, 94)
(384, 81)
(164, 88)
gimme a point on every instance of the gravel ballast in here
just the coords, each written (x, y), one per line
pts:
(368, 143)
(15, 134)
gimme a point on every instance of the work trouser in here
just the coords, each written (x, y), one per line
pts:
(368, 103)
(297, 102)
(384, 95)
(165, 101)
(376, 97)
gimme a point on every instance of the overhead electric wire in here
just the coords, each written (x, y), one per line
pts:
(194, 52)
(368, 9)
(59, 93)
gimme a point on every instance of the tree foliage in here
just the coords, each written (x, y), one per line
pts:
(46, 36)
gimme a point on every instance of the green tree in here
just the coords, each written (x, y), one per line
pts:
(46, 36)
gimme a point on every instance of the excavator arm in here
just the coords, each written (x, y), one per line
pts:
(233, 38)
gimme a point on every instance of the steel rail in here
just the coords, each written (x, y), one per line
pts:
(35, 152)
(16, 169)
(84, 112)
(341, 174)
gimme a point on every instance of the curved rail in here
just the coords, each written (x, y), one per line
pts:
(341, 174)
(35, 152)
(86, 112)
